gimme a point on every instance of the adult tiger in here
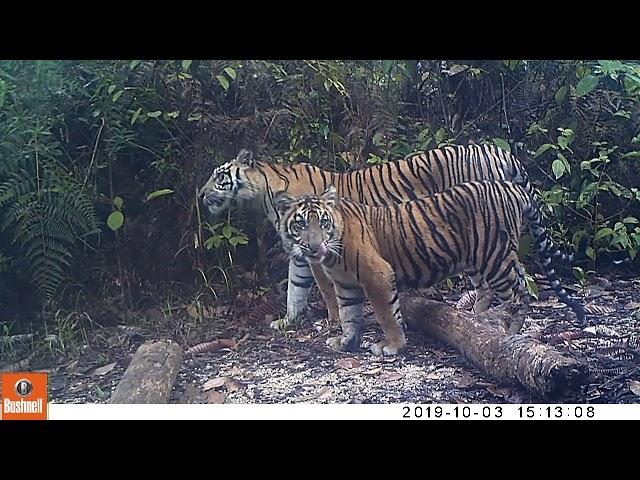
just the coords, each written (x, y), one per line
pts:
(470, 228)
(245, 181)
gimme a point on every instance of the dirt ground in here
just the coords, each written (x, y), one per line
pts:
(255, 364)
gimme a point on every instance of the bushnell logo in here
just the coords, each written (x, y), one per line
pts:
(24, 396)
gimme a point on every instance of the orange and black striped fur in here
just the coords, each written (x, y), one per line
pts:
(470, 228)
(245, 181)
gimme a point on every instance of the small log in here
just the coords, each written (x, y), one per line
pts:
(150, 375)
(484, 341)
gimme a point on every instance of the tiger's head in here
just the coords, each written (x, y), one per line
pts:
(228, 183)
(311, 226)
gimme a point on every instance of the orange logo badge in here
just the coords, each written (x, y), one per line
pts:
(24, 396)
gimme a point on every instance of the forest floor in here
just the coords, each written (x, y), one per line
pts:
(242, 360)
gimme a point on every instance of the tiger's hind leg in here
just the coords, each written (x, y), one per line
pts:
(510, 286)
(483, 293)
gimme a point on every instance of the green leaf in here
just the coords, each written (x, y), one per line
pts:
(586, 85)
(603, 232)
(543, 148)
(223, 81)
(623, 113)
(135, 116)
(561, 95)
(231, 72)
(532, 287)
(226, 231)
(630, 220)
(134, 63)
(565, 162)
(186, 64)
(170, 115)
(233, 241)
(115, 220)
(159, 193)
(591, 253)
(111, 89)
(117, 201)
(117, 95)
(609, 66)
(503, 144)
(440, 135)
(558, 168)
(155, 114)
(634, 154)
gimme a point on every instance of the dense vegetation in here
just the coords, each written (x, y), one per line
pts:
(100, 161)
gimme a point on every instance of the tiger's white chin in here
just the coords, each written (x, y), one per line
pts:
(319, 255)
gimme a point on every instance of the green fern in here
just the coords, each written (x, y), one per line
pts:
(48, 214)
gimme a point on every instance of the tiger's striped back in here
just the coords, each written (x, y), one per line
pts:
(427, 173)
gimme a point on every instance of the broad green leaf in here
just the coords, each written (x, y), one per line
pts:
(630, 220)
(159, 193)
(603, 232)
(117, 201)
(561, 95)
(634, 154)
(226, 231)
(503, 144)
(558, 168)
(543, 148)
(223, 81)
(231, 72)
(591, 253)
(155, 114)
(440, 135)
(186, 64)
(117, 95)
(111, 89)
(609, 66)
(586, 85)
(565, 162)
(115, 220)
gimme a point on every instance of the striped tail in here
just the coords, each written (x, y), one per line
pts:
(547, 249)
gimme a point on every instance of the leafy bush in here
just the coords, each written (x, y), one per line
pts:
(101, 160)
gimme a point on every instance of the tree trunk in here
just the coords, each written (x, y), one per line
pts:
(483, 340)
(150, 375)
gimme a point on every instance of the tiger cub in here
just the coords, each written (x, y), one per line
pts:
(470, 228)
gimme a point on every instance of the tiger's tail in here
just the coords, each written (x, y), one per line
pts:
(547, 250)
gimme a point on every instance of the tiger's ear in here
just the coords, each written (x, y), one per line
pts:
(330, 196)
(283, 201)
(245, 157)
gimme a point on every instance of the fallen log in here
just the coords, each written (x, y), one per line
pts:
(150, 375)
(483, 340)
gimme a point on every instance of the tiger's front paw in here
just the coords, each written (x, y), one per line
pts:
(385, 347)
(287, 322)
(344, 344)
